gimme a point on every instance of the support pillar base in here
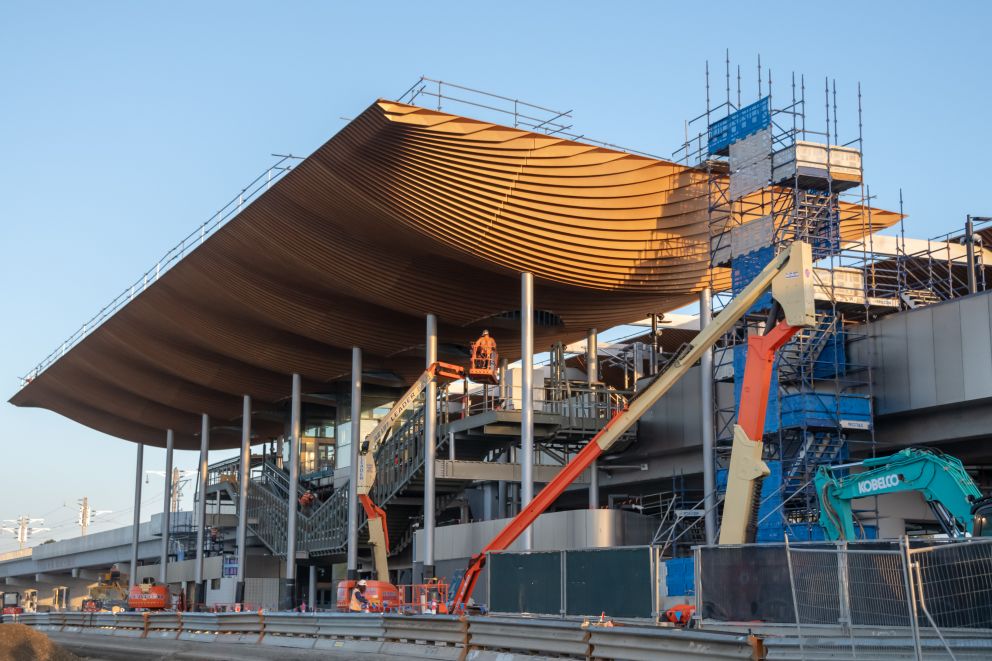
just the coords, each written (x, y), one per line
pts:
(288, 600)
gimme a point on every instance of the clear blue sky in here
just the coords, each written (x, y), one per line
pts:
(123, 125)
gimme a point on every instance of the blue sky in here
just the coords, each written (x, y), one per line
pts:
(124, 125)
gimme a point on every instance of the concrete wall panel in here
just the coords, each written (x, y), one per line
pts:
(920, 341)
(976, 341)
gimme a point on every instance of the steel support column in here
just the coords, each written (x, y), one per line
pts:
(356, 439)
(706, 395)
(501, 491)
(139, 460)
(166, 508)
(592, 378)
(293, 496)
(243, 477)
(312, 590)
(201, 509)
(969, 243)
(527, 398)
(430, 448)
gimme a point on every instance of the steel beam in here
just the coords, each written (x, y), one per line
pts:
(706, 396)
(430, 448)
(356, 439)
(527, 398)
(135, 528)
(201, 507)
(166, 508)
(243, 477)
(445, 469)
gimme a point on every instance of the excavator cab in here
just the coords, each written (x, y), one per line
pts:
(982, 511)
(484, 361)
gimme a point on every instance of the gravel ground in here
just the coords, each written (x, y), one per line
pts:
(21, 643)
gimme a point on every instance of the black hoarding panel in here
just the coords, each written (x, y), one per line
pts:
(745, 584)
(614, 581)
(525, 583)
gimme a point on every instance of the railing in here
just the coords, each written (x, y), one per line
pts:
(187, 245)
(420, 636)
(868, 599)
(527, 115)
(324, 528)
(267, 517)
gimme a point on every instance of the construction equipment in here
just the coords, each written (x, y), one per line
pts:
(482, 364)
(109, 593)
(941, 479)
(382, 596)
(11, 603)
(378, 531)
(149, 595)
(790, 276)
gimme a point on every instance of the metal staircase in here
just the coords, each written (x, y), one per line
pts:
(322, 530)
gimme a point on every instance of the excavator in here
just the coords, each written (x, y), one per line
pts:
(380, 592)
(941, 479)
(790, 277)
(109, 593)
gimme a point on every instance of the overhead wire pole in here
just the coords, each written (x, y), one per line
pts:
(527, 398)
(245, 475)
(430, 449)
(201, 507)
(166, 508)
(356, 439)
(139, 460)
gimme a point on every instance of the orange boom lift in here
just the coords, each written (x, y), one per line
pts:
(381, 592)
(790, 277)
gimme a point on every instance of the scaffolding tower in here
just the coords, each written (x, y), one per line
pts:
(773, 178)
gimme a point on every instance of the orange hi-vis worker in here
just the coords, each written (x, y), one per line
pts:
(484, 352)
(680, 614)
(359, 603)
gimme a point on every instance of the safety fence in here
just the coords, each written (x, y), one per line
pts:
(439, 637)
(873, 600)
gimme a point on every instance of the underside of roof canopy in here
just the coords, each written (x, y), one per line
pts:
(405, 212)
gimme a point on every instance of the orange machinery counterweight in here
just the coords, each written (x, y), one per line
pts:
(149, 596)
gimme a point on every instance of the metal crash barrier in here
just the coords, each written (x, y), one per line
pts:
(440, 637)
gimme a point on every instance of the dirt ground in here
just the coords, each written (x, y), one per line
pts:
(21, 643)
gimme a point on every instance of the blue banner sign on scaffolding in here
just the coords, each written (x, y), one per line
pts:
(736, 126)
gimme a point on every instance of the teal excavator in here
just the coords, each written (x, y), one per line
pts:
(941, 479)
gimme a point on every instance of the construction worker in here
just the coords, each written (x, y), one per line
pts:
(484, 352)
(359, 603)
(680, 614)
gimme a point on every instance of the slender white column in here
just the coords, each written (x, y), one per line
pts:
(137, 514)
(527, 398)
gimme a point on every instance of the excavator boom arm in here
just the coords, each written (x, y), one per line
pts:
(940, 479)
(789, 275)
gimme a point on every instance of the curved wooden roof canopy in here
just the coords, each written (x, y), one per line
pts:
(404, 212)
